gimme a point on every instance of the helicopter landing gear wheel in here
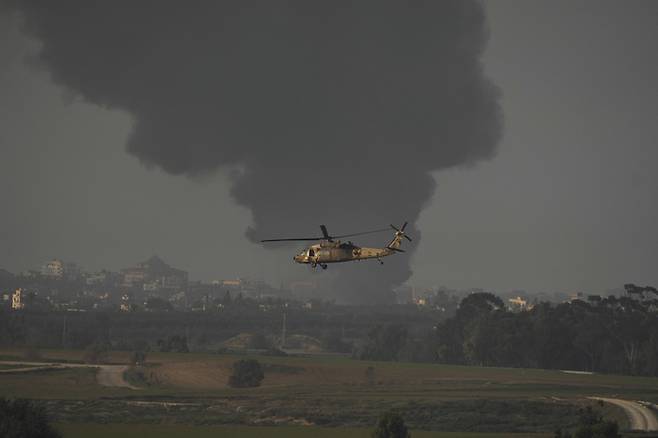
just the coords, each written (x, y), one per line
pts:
(380, 261)
(324, 265)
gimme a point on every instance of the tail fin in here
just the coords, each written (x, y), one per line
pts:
(397, 239)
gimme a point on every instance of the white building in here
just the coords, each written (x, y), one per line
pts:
(17, 300)
(519, 304)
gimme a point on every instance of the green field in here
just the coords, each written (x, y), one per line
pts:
(10, 367)
(181, 431)
(322, 392)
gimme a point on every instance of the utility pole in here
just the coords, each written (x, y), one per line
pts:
(64, 333)
(283, 329)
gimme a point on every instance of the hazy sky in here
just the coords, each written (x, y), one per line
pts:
(568, 203)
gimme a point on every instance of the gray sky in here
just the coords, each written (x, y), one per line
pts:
(568, 203)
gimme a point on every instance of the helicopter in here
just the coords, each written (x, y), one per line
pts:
(330, 250)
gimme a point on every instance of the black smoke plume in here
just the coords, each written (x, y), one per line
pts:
(327, 112)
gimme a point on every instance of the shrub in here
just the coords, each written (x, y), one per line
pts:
(23, 419)
(592, 425)
(247, 373)
(137, 357)
(391, 425)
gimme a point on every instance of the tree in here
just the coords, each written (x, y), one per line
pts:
(247, 373)
(138, 357)
(24, 419)
(391, 425)
(384, 342)
(478, 304)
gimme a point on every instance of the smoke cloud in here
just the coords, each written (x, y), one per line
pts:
(328, 112)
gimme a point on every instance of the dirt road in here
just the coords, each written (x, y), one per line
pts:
(107, 375)
(641, 417)
(112, 375)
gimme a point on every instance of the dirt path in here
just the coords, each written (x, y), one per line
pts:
(112, 375)
(642, 418)
(107, 375)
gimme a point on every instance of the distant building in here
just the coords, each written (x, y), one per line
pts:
(72, 271)
(126, 303)
(53, 269)
(519, 304)
(420, 301)
(576, 296)
(97, 278)
(18, 300)
(233, 284)
(154, 274)
(258, 289)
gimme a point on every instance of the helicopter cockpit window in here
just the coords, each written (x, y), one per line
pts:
(311, 253)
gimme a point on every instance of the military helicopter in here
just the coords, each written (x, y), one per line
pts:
(330, 250)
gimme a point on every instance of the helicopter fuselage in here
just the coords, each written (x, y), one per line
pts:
(337, 252)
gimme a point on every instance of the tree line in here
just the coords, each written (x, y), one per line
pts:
(609, 335)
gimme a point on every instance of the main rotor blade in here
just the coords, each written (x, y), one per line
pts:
(360, 234)
(292, 239)
(326, 237)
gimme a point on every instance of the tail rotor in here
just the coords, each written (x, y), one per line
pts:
(400, 231)
(394, 245)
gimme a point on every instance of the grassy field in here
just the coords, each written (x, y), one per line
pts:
(181, 431)
(202, 374)
(322, 391)
(10, 367)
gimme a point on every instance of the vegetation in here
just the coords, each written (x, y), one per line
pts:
(477, 374)
(384, 343)
(97, 352)
(592, 425)
(186, 431)
(247, 373)
(329, 391)
(335, 327)
(137, 357)
(24, 419)
(175, 343)
(612, 335)
(391, 425)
